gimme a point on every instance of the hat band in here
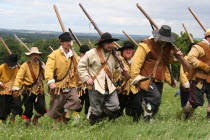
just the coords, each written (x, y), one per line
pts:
(165, 33)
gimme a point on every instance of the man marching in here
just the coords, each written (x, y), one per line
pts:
(96, 69)
(61, 77)
(30, 76)
(150, 60)
(199, 58)
(82, 89)
(129, 97)
(8, 104)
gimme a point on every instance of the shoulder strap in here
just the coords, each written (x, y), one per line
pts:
(31, 70)
(103, 63)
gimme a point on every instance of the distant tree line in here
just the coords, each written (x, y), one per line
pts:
(43, 41)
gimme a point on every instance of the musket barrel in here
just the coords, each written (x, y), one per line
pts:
(5, 45)
(75, 37)
(196, 18)
(94, 24)
(189, 36)
(131, 38)
(147, 16)
(59, 18)
(24, 45)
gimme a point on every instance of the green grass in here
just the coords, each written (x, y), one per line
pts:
(166, 125)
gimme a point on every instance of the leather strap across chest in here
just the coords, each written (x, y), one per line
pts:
(103, 63)
(31, 70)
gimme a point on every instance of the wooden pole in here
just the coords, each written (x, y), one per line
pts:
(24, 45)
(196, 18)
(130, 38)
(147, 16)
(189, 36)
(5, 45)
(51, 48)
(90, 44)
(59, 18)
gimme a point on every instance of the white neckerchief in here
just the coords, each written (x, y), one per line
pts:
(206, 41)
(151, 37)
(130, 61)
(67, 55)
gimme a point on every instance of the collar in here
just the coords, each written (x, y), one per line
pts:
(67, 55)
(206, 41)
(151, 37)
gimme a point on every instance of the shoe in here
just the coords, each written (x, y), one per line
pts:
(35, 120)
(12, 121)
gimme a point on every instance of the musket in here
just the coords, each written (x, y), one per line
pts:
(185, 64)
(24, 45)
(90, 44)
(196, 18)
(51, 48)
(75, 38)
(114, 52)
(134, 42)
(5, 46)
(189, 36)
(64, 30)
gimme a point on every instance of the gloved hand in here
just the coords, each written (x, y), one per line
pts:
(137, 79)
(204, 67)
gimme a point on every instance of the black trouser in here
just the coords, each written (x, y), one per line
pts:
(197, 94)
(132, 104)
(31, 101)
(184, 96)
(16, 106)
(84, 101)
(5, 106)
(153, 95)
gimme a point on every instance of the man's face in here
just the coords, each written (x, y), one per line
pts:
(127, 53)
(66, 44)
(107, 46)
(35, 57)
(208, 39)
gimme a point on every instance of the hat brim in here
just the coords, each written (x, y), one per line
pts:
(66, 39)
(28, 53)
(121, 49)
(107, 40)
(9, 63)
(157, 36)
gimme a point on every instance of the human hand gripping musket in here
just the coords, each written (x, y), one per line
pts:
(196, 18)
(185, 64)
(114, 52)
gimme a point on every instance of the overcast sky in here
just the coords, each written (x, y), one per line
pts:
(110, 15)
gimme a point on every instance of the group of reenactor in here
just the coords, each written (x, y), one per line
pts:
(97, 82)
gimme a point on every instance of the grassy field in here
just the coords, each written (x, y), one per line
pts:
(166, 125)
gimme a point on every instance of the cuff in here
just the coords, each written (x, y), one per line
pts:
(1, 83)
(15, 88)
(51, 81)
(186, 85)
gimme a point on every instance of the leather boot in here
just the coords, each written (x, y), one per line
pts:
(94, 119)
(35, 120)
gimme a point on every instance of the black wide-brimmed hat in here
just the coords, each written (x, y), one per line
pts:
(65, 37)
(11, 60)
(84, 49)
(106, 37)
(127, 44)
(164, 34)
